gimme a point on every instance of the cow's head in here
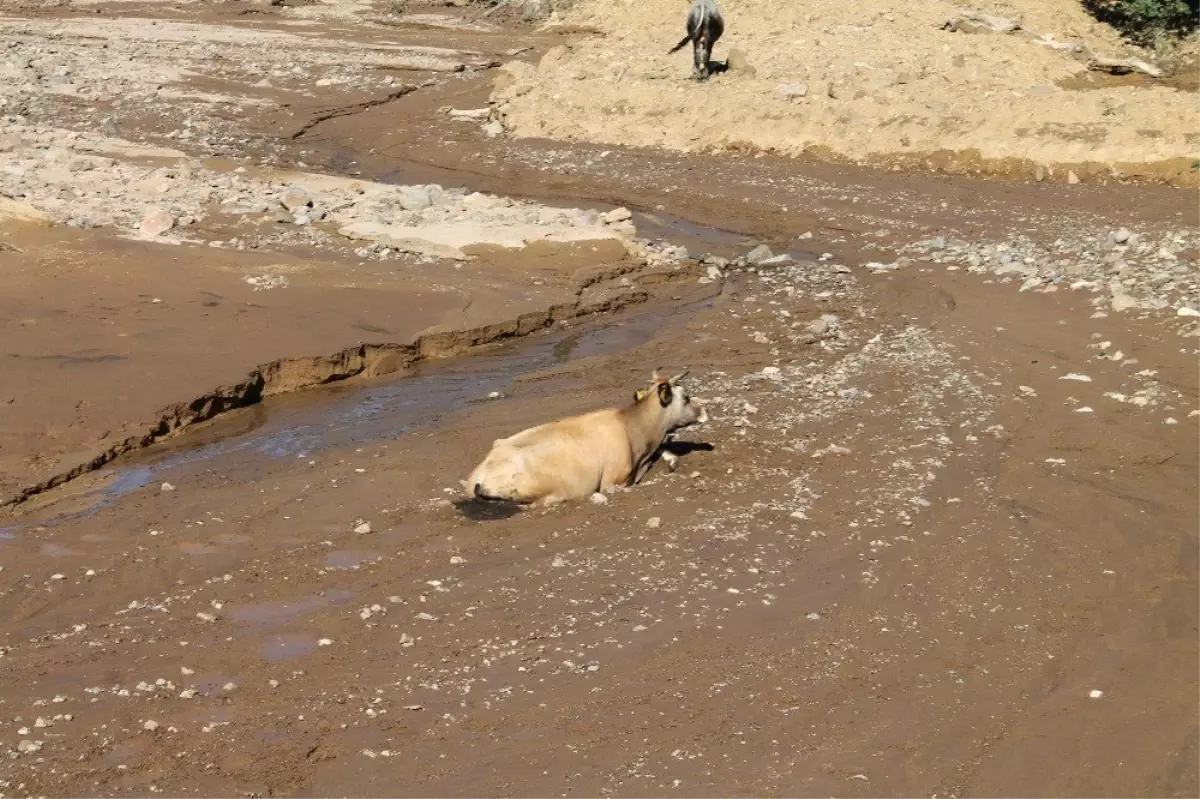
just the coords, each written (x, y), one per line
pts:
(672, 401)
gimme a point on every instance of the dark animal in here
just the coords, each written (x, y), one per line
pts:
(704, 27)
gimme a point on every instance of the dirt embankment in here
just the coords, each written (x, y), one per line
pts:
(877, 82)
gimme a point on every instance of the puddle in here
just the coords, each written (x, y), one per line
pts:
(346, 559)
(196, 548)
(56, 551)
(275, 613)
(288, 646)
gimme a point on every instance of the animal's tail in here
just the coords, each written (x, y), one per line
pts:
(679, 46)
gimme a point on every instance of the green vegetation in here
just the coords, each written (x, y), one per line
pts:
(1146, 20)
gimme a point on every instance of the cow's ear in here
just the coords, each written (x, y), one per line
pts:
(639, 395)
(664, 394)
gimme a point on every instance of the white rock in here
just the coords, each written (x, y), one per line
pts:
(28, 747)
(325, 642)
(1186, 311)
(362, 527)
(1095, 693)
(599, 499)
(168, 487)
(187, 693)
(1076, 376)
(413, 198)
(617, 215)
(759, 254)
(654, 522)
(295, 199)
(150, 726)
(793, 91)
(156, 222)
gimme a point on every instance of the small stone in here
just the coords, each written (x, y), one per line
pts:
(406, 639)
(813, 616)
(150, 726)
(599, 499)
(771, 372)
(28, 747)
(736, 62)
(1186, 311)
(1076, 376)
(776, 260)
(654, 522)
(362, 527)
(1072, 178)
(58, 577)
(187, 693)
(818, 327)
(1121, 235)
(185, 671)
(156, 222)
(325, 642)
(167, 487)
(759, 254)
(1095, 693)
(273, 683)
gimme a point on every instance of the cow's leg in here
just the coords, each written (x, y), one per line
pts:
(641, 471)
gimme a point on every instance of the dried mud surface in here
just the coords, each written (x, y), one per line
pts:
(876, 82)
(939, 538)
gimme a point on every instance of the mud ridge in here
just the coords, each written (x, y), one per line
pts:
(287, 375)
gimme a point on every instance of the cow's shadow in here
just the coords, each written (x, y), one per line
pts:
(681, 448)
(482, 510)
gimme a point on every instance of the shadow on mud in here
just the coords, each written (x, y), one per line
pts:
(484, 510)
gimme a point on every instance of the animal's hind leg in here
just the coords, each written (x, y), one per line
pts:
(700, 59)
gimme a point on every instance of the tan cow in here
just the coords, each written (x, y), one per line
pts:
(576, 457)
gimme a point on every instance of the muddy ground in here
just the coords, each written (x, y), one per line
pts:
(939, 538)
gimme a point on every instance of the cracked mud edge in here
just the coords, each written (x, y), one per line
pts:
(287, 375)
(348, 110)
